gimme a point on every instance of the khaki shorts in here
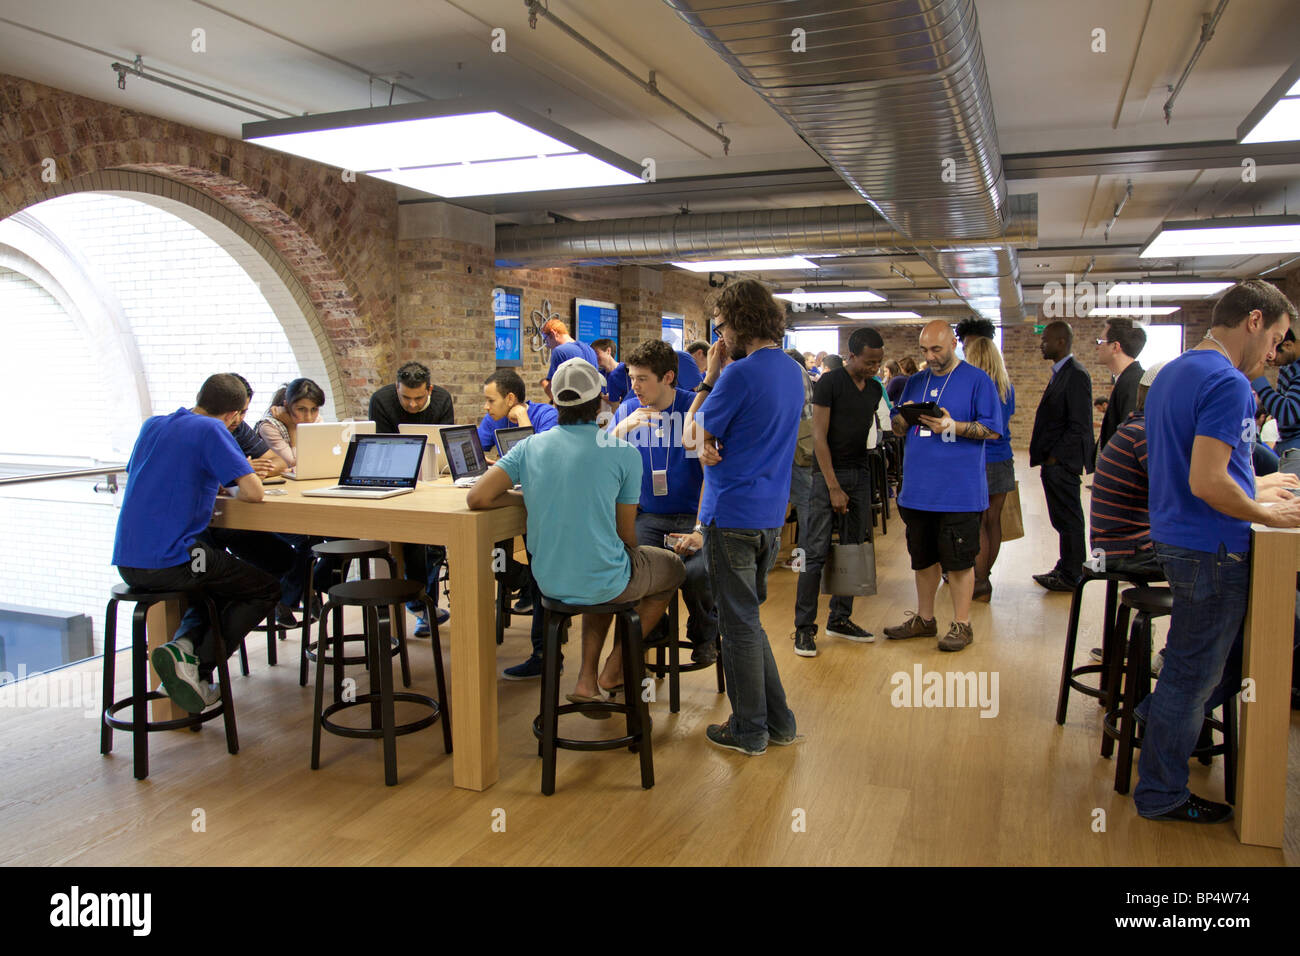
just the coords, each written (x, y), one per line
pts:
(656, 574)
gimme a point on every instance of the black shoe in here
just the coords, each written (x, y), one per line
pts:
(1196, 810)
(705, 654)
(1055, 581)
(523, 606)
(847, 629)
(804, 643)
(284, 616)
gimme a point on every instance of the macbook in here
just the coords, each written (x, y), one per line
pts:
(508, 438)
(431, 468)
(377, 466)
(321, 447)
(464, 454)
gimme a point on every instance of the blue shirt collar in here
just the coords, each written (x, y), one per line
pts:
(1056, 366)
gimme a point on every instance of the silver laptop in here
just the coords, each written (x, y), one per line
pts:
(322, 446)
(508, 438)
(464, 454)
(377, 466)
(432, 467)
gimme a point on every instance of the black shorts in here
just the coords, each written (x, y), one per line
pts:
(950, 539)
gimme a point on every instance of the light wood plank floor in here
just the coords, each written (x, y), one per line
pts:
(872, 784)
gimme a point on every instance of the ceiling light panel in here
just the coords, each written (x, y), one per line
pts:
(1167, 290)
(829, 297)
(746, 265)
(1120, 312)
(1236, 236)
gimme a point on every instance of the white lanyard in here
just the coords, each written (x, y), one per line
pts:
(938, 401)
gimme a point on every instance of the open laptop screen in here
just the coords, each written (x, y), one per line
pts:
(383, 461)
(464, 452)
(508, 438)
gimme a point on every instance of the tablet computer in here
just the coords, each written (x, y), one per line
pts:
(912, 413)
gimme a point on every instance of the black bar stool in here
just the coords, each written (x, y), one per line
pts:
(139, 724)
(378, 597)
(345, 551)
(1120, 722)
(627, 630)
(669, 647)
(1069, 673)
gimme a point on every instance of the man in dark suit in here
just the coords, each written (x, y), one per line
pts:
(1062, 443)
(1118, 349)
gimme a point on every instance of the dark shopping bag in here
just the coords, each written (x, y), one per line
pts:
(850, 569)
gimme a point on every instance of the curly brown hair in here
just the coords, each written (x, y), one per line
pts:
(748, 307)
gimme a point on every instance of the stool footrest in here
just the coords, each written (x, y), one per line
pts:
(1087, 689)
(371, 733)
(568, 743)
(176, 723)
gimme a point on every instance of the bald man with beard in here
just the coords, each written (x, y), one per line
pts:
(945, 490)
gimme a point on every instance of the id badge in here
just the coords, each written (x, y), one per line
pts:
(923, 432)
(659, 482)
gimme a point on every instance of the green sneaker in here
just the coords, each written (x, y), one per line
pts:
(179, 671)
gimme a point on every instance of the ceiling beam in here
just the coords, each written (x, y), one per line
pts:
(1163, 158)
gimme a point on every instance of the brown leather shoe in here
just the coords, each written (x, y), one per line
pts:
(983, 591)
(957, 638)
(914, 626)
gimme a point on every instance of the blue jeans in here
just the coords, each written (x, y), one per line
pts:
(702, 624)
(815, 539)
(1210, 593)
(739, 560)
(1286, 444)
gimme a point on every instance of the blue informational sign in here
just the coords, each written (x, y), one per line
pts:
(674, 331)
(595, 320)
(506, 310)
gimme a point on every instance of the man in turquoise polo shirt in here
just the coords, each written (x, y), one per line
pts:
(581, 490)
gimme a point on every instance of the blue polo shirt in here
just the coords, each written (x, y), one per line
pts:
(688, 373)
(949, 475)
(542, 416)
(178, 463)
(1000, 449)
(753, 411)
(1198, 393)
(568, 350)
(571, 483)
(618, 385)
(665, 451)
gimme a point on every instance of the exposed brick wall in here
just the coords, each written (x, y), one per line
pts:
(338, 239)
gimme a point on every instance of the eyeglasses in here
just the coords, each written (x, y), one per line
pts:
(717, 329)
(1105, 342)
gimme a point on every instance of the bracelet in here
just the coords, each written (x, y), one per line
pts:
(704, 387)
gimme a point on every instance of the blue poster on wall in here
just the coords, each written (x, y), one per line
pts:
(506, 311)
(595, 320)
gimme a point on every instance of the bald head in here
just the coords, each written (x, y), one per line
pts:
(939, 346)
(1057, 341)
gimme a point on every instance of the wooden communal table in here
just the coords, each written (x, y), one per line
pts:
(1266, 660)
(433, 514)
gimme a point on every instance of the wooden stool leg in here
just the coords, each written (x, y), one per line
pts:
(1230, 749)
(632, 652)
(722, 676)
(1115, 669)
(444, 699)
(304, 639)
(674, 657)
(1067, 665)
(140, 687)
(243, 658)
(223, 676)
(1139, 643)
(322, 641)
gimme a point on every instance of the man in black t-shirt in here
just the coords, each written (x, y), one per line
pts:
(845, 400)
(412, 400)
(415, 400)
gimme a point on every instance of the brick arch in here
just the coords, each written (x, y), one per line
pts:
(333, 243)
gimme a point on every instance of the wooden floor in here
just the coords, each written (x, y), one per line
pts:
(872, 784)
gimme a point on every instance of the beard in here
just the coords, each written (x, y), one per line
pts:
(737, 353)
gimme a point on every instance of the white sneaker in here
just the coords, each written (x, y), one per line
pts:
(179, 672)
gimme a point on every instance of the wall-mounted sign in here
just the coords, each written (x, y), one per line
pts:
(595, 320)
(506, 310)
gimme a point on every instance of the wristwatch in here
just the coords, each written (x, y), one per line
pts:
(698, 529)
(704, 387)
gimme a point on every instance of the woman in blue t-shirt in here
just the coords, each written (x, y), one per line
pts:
(999, 464)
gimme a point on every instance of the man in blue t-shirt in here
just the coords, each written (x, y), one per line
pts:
(505, 405)
(618, 385)
(563, 347)
(1200, 425)
(745, 420)
(581, 492)
(652, 421)
(945, 485)
(176, 468)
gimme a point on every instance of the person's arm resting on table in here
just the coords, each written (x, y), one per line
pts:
(493, 490)
(1209, 480)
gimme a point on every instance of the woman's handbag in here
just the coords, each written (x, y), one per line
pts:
(1013, 525)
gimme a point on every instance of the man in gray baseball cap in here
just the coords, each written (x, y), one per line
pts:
(581, 489)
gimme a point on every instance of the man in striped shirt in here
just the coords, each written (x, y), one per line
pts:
(1283, 402)
(1119, 525)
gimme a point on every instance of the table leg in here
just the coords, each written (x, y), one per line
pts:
(1265, 722)
(162, 621)
(473, 659)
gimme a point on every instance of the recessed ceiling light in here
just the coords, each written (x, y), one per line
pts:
(1167, 290)
(815, 296)
(450, 148)
(1232, 236)
(1276, 118)
(746, 265)
(1117, 312)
